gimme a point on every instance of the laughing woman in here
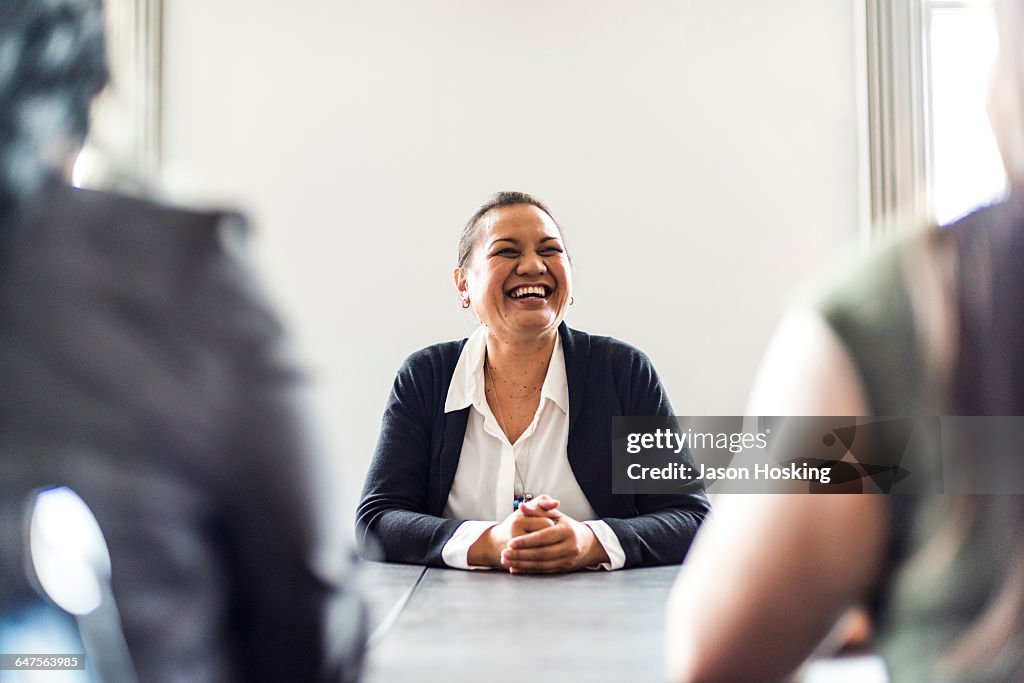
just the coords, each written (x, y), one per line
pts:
(495, 451)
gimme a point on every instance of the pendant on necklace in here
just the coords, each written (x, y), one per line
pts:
(525, 498)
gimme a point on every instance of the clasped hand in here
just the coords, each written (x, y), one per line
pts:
(539, 538)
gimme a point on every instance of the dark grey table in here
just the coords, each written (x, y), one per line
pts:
(387, 588)
(487, 626)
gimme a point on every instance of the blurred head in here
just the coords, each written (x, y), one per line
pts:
(52, 65)
(1006, 89)
(514, 269)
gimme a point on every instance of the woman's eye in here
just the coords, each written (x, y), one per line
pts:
(507, 251)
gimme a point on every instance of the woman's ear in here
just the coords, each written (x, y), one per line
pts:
(461, 283)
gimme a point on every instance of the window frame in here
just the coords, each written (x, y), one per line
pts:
(900, 117)
(123, 150)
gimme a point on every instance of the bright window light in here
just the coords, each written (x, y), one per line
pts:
(967, 171)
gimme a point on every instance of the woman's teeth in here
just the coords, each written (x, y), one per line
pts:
(529, 290)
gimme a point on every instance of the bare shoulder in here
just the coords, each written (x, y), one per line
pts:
(807, 370)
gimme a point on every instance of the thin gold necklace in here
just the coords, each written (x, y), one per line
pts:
(520, 495)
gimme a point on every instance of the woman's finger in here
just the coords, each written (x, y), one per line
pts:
(539, 506)
(546, 553)
(549, 536)
(525, 525)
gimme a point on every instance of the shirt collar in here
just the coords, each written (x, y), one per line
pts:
(467, 385)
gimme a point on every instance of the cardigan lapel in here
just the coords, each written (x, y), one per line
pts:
(453, 433)
(450, 432)
(576, 349)
(592, 472)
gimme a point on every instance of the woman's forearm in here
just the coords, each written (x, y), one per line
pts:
(396, 535)
(486, 551)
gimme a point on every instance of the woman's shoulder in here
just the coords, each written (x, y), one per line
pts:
(436, 358)
(601, 351)
(101, 218)
(427, 373)
(603, 346)
(128, 259)
(121, 248)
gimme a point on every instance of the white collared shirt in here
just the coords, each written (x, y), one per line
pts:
(485, 481)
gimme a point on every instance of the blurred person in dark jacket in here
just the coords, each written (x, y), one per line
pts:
(140, 366)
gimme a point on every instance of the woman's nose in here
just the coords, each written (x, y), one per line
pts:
(530, 263)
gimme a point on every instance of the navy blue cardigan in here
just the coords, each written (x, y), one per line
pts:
(407, 486)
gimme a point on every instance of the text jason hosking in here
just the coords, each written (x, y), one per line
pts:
(666, 454)
(765, 472)
(735, 442)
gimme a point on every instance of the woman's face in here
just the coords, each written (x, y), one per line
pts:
(517, 279)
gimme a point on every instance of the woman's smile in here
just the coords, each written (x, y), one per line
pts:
(529, 292)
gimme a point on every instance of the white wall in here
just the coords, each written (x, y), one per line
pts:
(702, 156)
